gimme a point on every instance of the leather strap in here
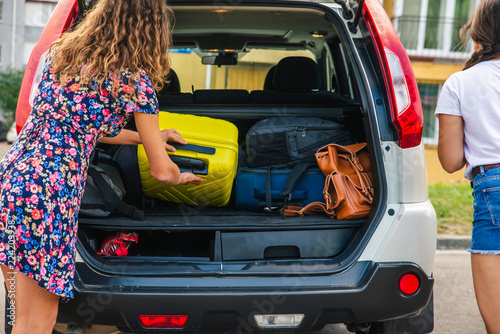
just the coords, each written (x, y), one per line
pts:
(330, 189)
(477, 170)
(314, 207)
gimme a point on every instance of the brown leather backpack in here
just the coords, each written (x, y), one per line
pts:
(348, 188)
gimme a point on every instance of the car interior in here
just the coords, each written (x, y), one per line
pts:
(244, 64)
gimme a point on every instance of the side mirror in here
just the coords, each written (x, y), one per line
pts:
(221, 59)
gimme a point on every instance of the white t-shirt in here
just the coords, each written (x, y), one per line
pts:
(474, 94)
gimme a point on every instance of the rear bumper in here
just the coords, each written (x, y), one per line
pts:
(366, 292)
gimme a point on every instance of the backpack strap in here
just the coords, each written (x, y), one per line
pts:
(291, 181)
(293, 178)
(269, 200)
(314, 207)
(113, 199)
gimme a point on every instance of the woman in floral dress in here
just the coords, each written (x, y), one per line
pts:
(94, 79)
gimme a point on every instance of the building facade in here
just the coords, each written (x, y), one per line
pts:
(21, 24)
(429, 30)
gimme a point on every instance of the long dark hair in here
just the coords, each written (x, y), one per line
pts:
(483, 28)
(116, 35)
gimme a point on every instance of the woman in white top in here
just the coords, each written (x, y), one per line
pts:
(469, 135)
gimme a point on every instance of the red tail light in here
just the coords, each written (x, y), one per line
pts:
(163, 321)
(404, 99)
(409, 284)
(64, 17)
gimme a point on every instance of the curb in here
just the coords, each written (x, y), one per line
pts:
(460, 242)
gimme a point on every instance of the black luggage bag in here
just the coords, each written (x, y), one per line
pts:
(288, 141)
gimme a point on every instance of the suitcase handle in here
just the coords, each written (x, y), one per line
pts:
(191, 165)
(276, 194)
(194, 148)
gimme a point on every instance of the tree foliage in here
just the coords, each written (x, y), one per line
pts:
(10, 84)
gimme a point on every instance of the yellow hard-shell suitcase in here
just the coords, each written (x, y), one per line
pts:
(212, 153)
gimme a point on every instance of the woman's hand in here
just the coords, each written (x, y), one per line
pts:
(161, 166)
(173, 135)
(190, 178)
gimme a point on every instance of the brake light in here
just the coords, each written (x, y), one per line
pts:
(64, 17)
(404, 98)
(409, 284)
(163, 321)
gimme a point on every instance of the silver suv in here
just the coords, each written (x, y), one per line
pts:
(202, 269)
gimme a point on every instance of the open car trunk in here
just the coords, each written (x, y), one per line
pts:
(180, 238)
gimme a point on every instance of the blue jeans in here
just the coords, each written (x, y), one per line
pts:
(486, 224)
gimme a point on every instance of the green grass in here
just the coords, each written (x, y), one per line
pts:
(453, 205)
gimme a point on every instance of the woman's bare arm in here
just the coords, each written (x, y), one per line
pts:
(161, 166)
(451, 142)
(129, 137)
(125, 137)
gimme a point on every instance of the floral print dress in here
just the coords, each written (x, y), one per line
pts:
(43, 175)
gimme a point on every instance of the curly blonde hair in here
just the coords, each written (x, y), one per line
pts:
(114, 36)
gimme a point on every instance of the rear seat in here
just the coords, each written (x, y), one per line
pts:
(171, 92)
(296, 80)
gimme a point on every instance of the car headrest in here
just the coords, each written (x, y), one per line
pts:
(173, 86)
(269, 80)
(296, 74)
